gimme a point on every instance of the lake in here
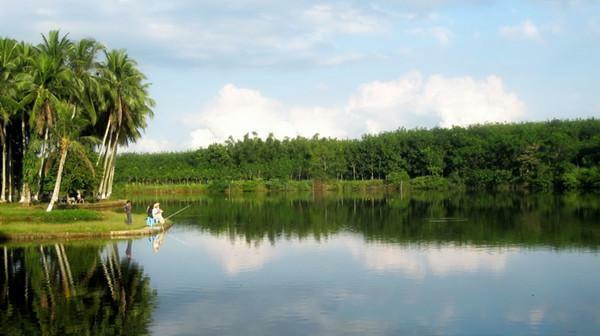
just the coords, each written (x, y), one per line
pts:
(429, 264)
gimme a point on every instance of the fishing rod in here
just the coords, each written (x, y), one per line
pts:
(180, 210)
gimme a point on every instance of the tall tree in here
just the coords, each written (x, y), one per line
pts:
(48, 81)
(8, 104)
(128, 105)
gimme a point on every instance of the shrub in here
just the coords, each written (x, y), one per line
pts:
(429, 183)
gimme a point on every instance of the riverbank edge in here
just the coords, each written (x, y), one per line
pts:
(119, 234)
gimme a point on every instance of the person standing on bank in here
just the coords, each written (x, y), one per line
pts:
(127, 208)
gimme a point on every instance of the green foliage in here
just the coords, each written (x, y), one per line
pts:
(18, 214)
(77, 175)
(488, 178)
(397, 177)
(534, 155)
(430, 183)
(54, 97)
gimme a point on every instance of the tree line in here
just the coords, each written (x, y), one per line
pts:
(557, 154)
(66, 104)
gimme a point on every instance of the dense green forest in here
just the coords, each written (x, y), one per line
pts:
(535, 155)
(65, 108)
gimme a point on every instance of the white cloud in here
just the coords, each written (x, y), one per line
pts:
(238, 111)
(150, 144)
(441, 34)
(526, 29)
(377, 106)
(465, 101)
(329, 19)
(437, 101)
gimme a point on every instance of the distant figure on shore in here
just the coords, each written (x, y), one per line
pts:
(157, 214)
(127, 209)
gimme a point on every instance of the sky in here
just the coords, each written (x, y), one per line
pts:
(337, 68)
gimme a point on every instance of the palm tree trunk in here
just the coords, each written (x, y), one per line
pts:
(112, 172)
(104, 141)
(109, 170)
(63, 157)
(105, 165)
(25, 191)
(42, 157)
(3, 138)
(10, 175)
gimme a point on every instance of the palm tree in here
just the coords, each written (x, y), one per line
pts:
(23, 61)
(8, 104)
(67, 136)
(82, 62)
(128, 106)
(48, 81)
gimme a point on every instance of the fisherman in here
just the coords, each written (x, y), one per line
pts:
(127, 209)
(149, 218)
(157, 214)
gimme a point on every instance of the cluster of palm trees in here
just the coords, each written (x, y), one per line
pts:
(62, 97)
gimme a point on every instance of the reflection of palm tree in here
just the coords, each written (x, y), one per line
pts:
(38, 304)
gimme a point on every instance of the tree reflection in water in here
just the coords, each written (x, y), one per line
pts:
(82, 290)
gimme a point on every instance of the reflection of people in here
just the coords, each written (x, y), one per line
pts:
(157, 214)
(128, 249)
(158, 241)
(127, 209)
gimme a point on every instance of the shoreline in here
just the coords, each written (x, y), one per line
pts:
(115, 234)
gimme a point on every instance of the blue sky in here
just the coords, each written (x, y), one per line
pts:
(338, 68)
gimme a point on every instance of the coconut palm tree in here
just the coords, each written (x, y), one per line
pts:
(128, 104)
(82, 60)
(47, 82)
(8, 104)
(67, 136)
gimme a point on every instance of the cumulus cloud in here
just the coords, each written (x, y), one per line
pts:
(238, 111)
(436, 101)
(439, 33)
(409, 101)
(526, 29)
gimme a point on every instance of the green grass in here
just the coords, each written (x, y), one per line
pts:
(34, 220)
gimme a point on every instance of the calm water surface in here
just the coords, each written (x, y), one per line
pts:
(428, 265)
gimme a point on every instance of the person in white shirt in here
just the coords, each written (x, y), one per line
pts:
(157, 213)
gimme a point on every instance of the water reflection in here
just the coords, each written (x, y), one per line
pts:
(60, 289)
(351, 286)
(437, 260)
(505, 219)
(512, 264)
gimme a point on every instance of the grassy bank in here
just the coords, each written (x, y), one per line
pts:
(16, 220)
